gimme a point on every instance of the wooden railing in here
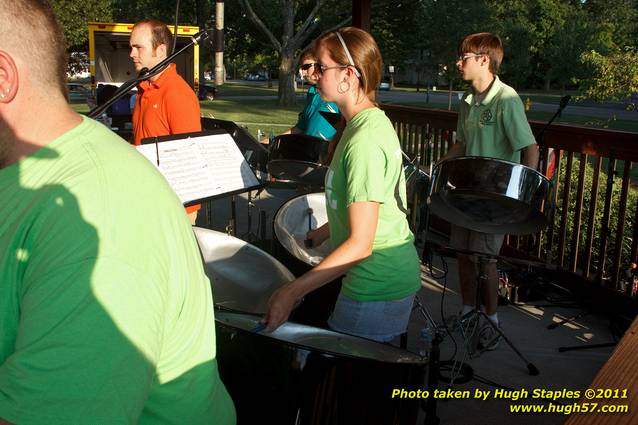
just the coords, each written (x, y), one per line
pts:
(595, 231)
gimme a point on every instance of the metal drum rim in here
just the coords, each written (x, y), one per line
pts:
(486, 158)
(251, 246)
(408, 357)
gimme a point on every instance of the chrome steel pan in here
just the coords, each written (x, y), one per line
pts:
(322, 340)
(291, 225)
(303, 375)
(490, 195)
(243, 276)
(297, 158)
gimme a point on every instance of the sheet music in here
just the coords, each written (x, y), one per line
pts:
(227, 164)
(201, 167)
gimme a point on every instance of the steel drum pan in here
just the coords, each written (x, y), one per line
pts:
(298, 159)
(303, 375)
(292, 222)
(290, 226)
(490, 195)
(243, 276)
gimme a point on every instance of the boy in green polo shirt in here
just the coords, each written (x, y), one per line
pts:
(491, 123)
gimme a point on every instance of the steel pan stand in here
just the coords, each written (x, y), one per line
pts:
(429, 406)
(249, 236)
(477, 313)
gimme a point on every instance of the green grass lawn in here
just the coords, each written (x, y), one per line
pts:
(254, 114)
(240, 88)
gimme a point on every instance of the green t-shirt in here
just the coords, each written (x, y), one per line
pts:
(105, 310)
(367, 166)
(495, 128)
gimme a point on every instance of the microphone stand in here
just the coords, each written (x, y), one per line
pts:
(540, 139)
(145, 74)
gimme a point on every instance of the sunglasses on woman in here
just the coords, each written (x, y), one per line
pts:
(307, 66)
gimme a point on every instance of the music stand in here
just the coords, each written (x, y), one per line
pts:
(201, 166)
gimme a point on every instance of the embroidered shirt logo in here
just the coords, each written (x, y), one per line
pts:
(486, 117)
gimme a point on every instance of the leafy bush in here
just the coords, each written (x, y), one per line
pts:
(614, 220)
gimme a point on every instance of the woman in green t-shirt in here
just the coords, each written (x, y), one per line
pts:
(365, 202)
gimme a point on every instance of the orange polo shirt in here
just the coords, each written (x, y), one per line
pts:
(166, 106)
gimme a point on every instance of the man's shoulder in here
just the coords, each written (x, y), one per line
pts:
(507, 93)
(178, 89)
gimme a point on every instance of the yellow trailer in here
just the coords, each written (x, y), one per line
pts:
(109, 61)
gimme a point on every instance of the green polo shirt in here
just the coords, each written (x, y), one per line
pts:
(495, 128)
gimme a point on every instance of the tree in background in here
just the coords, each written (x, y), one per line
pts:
(620, 17)
(288, 26)
(544, 39)
(513, 24)
(613, 65)
(447, 22)
(388, 23)
(615, 76)
(73, 16)
(128, 11)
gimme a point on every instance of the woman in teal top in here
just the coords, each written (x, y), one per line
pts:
(310, 121)
(365, 200)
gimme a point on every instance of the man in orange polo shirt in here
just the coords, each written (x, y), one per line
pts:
(165, 104)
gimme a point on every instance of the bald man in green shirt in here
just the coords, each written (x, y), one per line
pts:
(106, 317)
(491, 123)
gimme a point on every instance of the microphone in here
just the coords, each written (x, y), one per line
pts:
(200, 36)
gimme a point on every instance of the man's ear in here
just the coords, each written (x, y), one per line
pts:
(9, 80)
(162, 50)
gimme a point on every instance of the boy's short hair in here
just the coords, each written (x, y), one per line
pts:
(484, 43)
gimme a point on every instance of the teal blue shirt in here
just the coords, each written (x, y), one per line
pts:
(311, 122)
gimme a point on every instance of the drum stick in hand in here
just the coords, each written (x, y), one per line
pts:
(308, 242)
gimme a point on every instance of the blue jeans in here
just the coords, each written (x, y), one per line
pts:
(377, 320)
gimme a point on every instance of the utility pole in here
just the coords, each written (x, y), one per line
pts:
(219, 42)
